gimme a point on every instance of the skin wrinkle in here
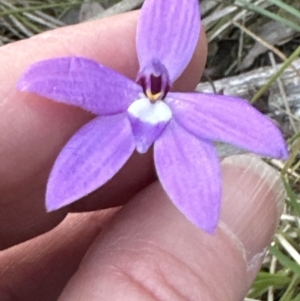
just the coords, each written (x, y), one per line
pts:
(150, 255)
(136, 282)
(137, 287)
(170, 286)
(132, 239)
(152, 246)
(154, 267)
(190, 271)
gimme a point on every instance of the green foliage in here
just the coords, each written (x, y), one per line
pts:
(264, 280)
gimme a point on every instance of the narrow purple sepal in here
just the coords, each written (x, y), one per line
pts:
(80, 82)
(91, 157)
(189, 171)
(168, 30)
(227, 119)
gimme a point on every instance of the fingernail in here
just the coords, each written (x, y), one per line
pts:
(253, 200)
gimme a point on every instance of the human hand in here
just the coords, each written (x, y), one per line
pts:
(148, 251)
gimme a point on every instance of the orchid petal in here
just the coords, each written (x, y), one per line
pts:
(80, 82)
(91, 157)
(148, 120)
(227, 119)
(168, 31)
(189, 171)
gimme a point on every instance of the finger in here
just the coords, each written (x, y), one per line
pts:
(33, 130)
(42, 266)
(150, 251)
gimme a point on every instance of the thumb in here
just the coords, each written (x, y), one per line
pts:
(150, 251)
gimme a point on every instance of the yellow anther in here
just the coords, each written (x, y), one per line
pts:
(153, 97)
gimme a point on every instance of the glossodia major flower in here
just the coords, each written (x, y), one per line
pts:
(135, 115)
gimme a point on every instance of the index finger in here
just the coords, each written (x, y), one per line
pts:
(33, 130)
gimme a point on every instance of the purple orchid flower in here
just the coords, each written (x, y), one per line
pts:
(134, 115)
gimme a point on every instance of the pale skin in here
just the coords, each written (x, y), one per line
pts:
(148, 250)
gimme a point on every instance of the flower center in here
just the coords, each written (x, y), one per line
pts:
(150, 113)
(154, 79)
(148, 120)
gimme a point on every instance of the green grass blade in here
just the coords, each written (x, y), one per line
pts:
(269, 14)
(286, 7)
(290, 291)
(38, 7)
(285, 65)
(297, 298)
(285, 261)
(292, 197)
(264, 280)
